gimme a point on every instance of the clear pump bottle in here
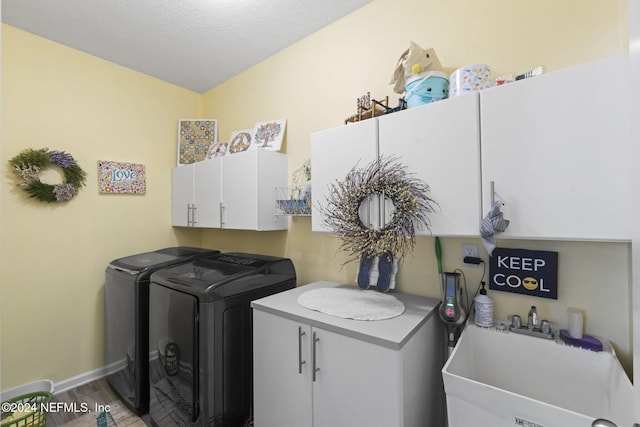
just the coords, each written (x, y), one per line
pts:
(484, 309)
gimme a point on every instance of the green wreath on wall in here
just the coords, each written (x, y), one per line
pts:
(29, 163)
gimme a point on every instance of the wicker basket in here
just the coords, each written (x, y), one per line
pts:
(27, 410)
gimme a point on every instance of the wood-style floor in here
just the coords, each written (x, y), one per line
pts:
(81, 406)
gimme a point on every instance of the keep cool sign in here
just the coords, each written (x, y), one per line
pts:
(526, 272)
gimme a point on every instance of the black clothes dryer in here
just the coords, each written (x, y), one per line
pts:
(126, 337)
(201, 333)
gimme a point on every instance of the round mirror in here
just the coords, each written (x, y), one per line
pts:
(376, 211)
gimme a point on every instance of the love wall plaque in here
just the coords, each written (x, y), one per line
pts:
(121, 178)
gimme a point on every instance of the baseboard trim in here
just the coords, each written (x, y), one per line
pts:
(88, 377)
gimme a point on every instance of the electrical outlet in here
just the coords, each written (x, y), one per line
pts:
(469, 249)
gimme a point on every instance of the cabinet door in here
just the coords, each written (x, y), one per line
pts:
(240, 191)
(281, 372)
(272, 173)
(357, 383)
(249, 180)
(557, 148)
(334, 152)
(440, 144)
(207, 176)
(181, 195)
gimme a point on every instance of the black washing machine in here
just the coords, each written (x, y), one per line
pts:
(126, 295)
(201, 361)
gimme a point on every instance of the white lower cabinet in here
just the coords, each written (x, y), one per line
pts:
(342, 391)
(281, 381)
(323, 371)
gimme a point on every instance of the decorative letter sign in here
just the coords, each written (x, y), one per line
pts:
(526, 272)
(117, 177)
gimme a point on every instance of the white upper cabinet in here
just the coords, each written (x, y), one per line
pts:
(196, 194)
(440, 144)
(236, 192)
(334, 152)
(207, 193)
(182, 195)
(249, 180)
(557, 150)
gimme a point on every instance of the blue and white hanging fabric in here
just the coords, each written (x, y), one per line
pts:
(492, 223)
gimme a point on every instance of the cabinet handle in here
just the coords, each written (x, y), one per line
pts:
(221, 215)
(369, 224)
(492, 188)
(191, 214)
(383, 216)
(315, 368)
(301, 362)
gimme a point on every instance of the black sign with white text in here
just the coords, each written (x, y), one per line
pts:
(523, 271)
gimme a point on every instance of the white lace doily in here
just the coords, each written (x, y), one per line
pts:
(352, 303)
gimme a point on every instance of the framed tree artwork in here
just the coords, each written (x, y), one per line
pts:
(269, 135)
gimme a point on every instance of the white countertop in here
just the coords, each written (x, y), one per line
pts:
(392, 333)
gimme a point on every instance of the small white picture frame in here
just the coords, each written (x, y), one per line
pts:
(218, 149)
(240, 141)
(269, 134)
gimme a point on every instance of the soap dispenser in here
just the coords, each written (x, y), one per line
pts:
(484, 308)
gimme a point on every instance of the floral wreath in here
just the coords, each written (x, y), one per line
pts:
(29, 163)
(384, 176)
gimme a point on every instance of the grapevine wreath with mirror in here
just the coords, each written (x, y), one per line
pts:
(385, 176)
(29, 163)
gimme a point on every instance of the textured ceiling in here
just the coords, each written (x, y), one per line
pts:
(195, 44)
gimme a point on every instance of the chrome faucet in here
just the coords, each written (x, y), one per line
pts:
(533, 318)
(533, 327)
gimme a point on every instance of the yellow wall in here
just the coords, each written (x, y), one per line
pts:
(53, 257)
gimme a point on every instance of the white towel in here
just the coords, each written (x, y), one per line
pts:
(352, 303)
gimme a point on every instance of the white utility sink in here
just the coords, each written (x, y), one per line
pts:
(499, 378)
